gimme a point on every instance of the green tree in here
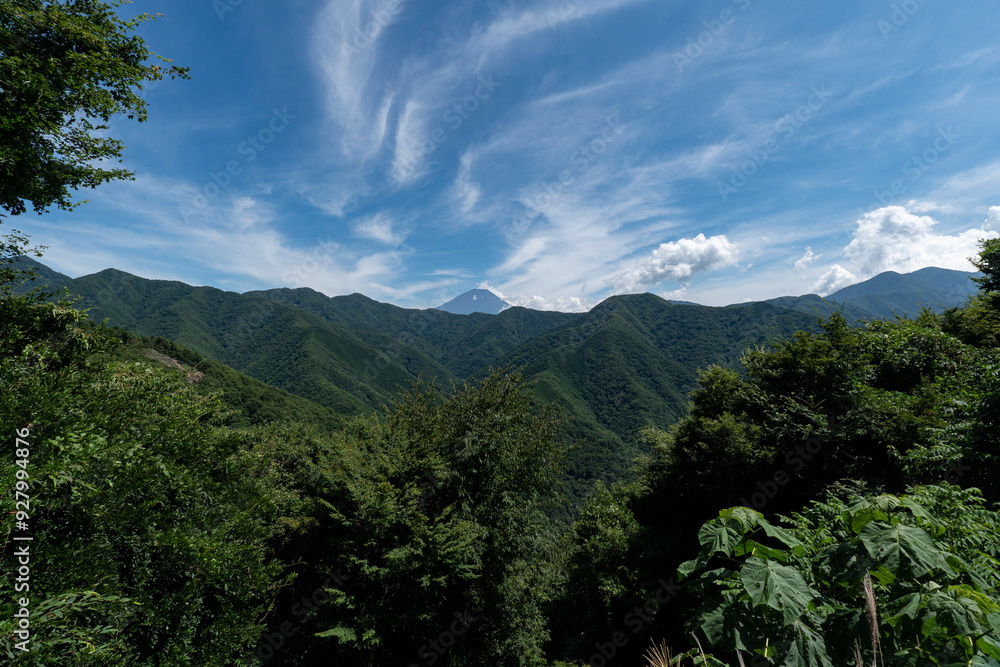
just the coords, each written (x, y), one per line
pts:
(12, 247)
(437, 515)
(872, 409)
(988, 262)
(66, 67)
(146, 552)
(978, 322)
(602, 583)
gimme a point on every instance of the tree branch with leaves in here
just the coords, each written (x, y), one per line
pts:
(66, 68)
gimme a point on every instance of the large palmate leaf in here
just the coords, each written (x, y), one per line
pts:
(905, 550)
(723, 535)
(808, 649)
(777, 586)
(728, 622)
(809, 604)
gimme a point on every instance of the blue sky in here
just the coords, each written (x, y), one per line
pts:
(558, 151)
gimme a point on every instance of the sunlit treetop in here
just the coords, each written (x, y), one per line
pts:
(67, 67)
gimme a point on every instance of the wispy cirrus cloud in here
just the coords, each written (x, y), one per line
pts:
(241, 237)
(549, 145)
(347, 50)
(380, 228)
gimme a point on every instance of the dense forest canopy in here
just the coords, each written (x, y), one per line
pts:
(829, 497)
(180, 524)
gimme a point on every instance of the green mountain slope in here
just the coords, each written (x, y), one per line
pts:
(626, 365)
(888, 295)
(630, 363)
(283, 346)
(430, 342)
(932, 287)
(44, 275)
(250, 401)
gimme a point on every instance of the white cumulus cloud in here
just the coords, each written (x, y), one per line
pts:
(834, 279)
(679, 261)
(893, 239)
(993, 222)
(563, 304)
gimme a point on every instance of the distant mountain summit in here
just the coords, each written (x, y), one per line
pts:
(890, 294)
(475, 301)
(933, 287)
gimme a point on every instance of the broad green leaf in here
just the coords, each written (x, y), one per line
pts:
(887, 503)
(917, 509)
(904, 550)
(781, 534)
(957, 614)
(989, 646)
(722, 535)
(685, 569)
(777, 586)
(858, 517)
(730, 623)
(845, 561)
(807, 650)
(762, 550)
(908, 606)
(748, 517)
(885, 576)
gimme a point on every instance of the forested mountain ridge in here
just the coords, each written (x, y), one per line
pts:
(174, 534)
(248, 401)
(821, 498)
(626, 365)
(456, 345)
(630, 363)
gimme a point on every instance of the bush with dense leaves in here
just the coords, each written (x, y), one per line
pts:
(910, 580)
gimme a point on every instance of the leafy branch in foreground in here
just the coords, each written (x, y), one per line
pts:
(65, 69)
(903, 579)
